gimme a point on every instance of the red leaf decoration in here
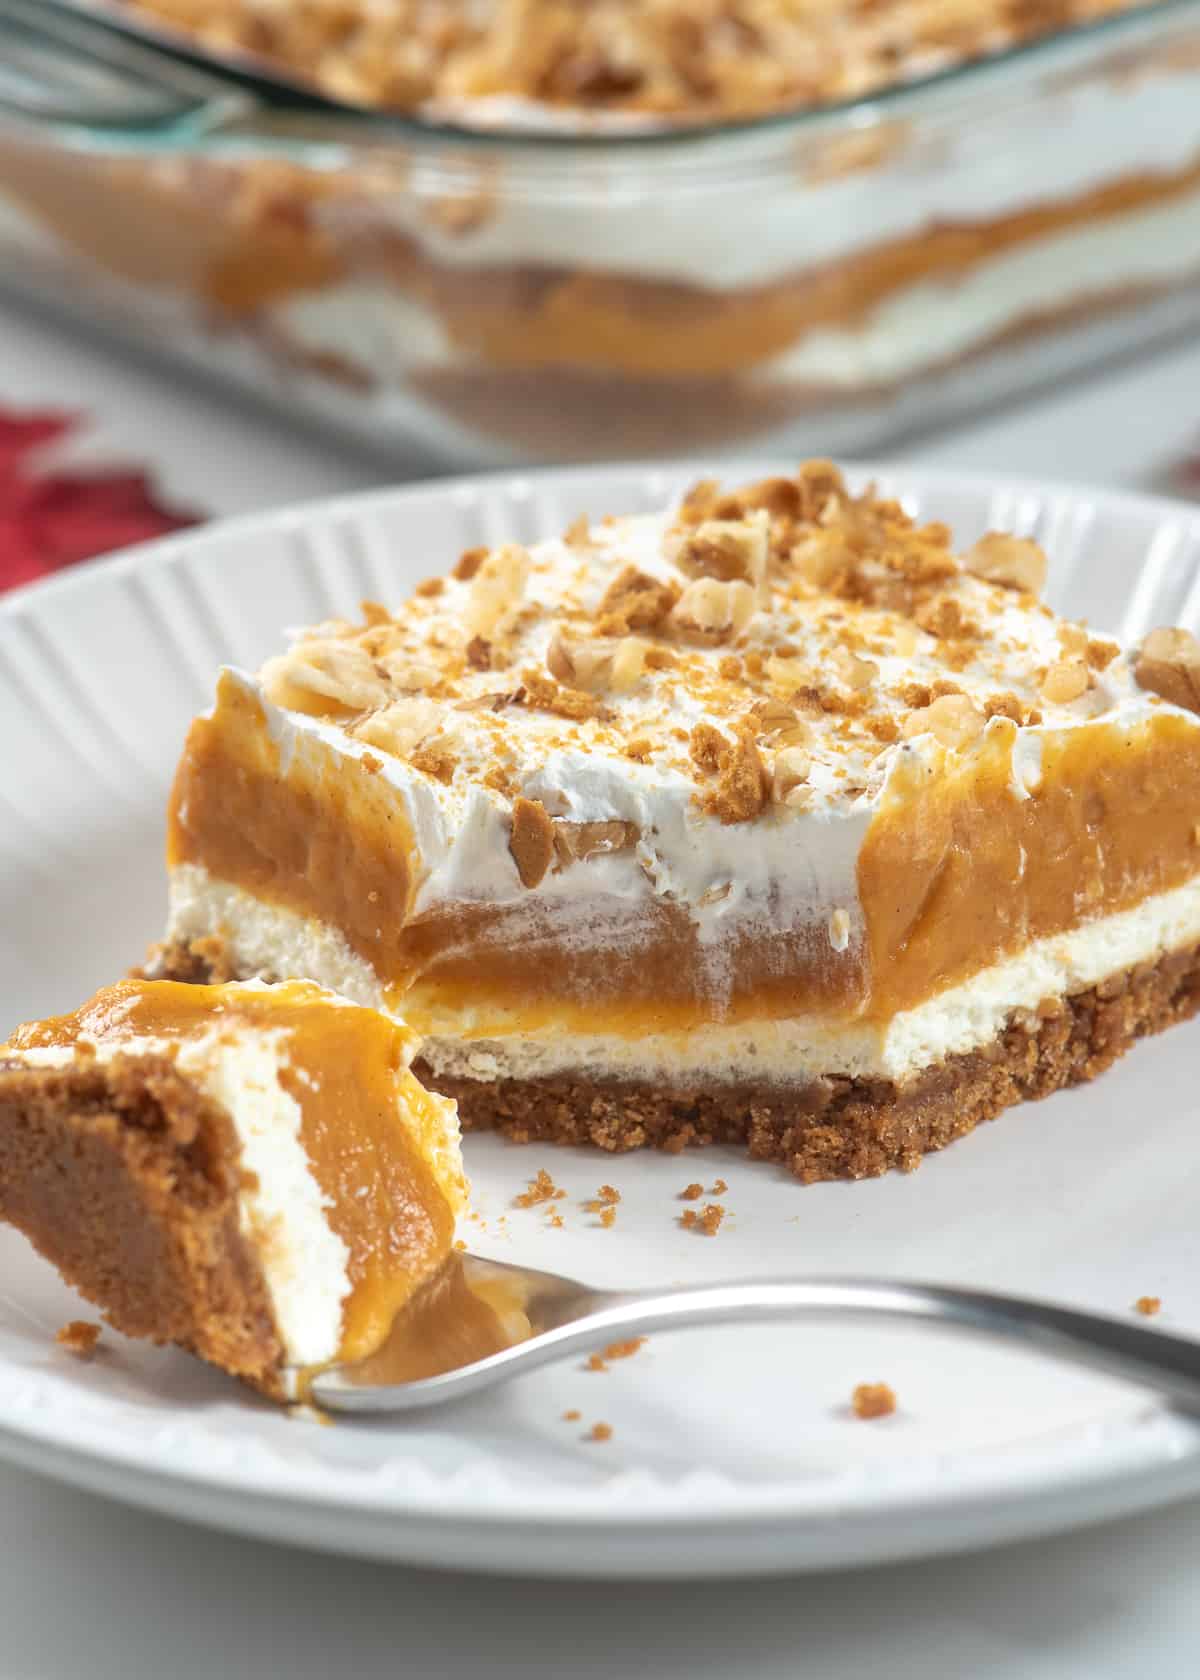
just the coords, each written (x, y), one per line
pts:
(51, 518)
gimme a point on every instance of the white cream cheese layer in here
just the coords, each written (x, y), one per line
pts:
(282, 1210)
(268, 940)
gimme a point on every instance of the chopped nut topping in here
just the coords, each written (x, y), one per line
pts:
(724, 549)
(342, 672)
(1011, 562)
(575, 842)
(943, 617)
(634, 601)
(434, 761)
(532, 840)
(497, 586)
(408, 676)
(712, 611)
(854, 672)
(839, 929)
(1066, 680)
(708, 747)
(788, 772)
(821, 557)
(469, 562)
(1100, 655)
(1169, 666)
(479, 654)
(790, 677)
(951, 719)
(578, 532)
(778, 722)
(544, 695)
(401, 728)
(743, 783)
(597, 665)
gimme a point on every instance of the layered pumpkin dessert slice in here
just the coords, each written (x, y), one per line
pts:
(768, 818)
(251, 1172)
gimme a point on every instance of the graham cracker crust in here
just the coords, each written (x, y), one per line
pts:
(833, 1128)
(126, 1178)
(848, 1128)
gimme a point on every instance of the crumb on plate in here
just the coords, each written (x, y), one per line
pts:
(1148, 1305)
(873, 1400)
(79, 1337)
(707, 1222)
(600, 1432)
(541, 1189)
(624, 1350)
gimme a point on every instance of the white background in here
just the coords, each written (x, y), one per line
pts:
(92, 1589)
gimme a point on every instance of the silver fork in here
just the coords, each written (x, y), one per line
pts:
(567, 1318)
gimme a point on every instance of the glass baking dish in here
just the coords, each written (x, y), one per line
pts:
(822, 281)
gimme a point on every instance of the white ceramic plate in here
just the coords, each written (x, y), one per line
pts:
(732, 1451)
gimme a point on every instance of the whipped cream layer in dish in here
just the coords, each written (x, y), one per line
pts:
(769, 789)
(254, 1170)
(728, 236)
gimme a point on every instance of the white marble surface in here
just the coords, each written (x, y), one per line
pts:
(92, 1588)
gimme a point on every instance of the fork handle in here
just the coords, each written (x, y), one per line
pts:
(1167, 1365)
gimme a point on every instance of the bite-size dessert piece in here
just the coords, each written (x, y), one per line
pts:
(252, 1172)
(768, 818)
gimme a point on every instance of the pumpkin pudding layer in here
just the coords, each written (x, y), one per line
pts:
(771, 817)
(251, 1172)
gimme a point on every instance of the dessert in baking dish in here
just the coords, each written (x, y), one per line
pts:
(561, 297)
(251, 1172)
(767, 818)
